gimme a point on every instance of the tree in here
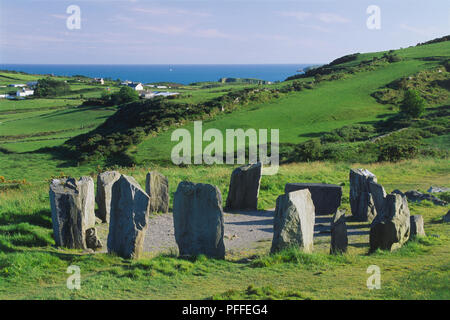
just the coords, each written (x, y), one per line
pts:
(125, 95)
(49, 88)
(413, 104)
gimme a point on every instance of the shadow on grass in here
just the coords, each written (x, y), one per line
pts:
(41, 218)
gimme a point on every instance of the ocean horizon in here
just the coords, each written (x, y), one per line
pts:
(178, 73)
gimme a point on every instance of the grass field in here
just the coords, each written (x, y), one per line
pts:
(417, 271)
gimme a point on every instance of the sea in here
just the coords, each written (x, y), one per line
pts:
(178, 73)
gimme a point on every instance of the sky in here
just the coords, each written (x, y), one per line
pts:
(211, 31)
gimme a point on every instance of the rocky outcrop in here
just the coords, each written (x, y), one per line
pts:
(437, 189)
(391, 229)
(105, 181)
(339, 238)
(92, 241)
(157, 187)
(294, 219)
(72, 204)
(198, 220)
(416, 196)
(417, 229)
(244, 188)
(366, 195)
(129, 218)
(326, 197)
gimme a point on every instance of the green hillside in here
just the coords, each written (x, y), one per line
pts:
(330, 105)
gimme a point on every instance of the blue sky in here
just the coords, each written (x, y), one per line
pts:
(211, 31)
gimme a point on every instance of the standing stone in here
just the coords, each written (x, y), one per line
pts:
(129, 218)
(72, 203)
(362, 201)
(244, 188)
(157, 187)
(392, 229)
(417, 229)
(105, 181)
(339, 238)
(326, 197)
(198, 220)
(293, 224)
(446, 218)
(92, 241)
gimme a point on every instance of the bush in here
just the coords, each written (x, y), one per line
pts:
(125, 95)
(310, 150)
(413, 104)
(49, 88)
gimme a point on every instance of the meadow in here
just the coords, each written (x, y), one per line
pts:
(31, 267)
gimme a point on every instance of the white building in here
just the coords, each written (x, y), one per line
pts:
(24, 92)
(147, 95)
(17, 85)
(99, 80)
(136, 86)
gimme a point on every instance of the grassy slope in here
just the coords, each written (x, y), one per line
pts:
(303, 114)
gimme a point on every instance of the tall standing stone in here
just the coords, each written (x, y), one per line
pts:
(72, 203)
(129, 218)
(157, 187)
(198, 220)
(392, 229)
(244, 187)
(446, 218)
(366, 196)
(339, 238)
(293, 224)
(105, 181)
(417, 228)
(326, 197)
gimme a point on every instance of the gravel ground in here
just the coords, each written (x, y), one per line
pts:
(243, 230)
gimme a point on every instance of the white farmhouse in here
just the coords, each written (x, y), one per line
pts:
(99, 80)
(24, 92)
(136, 86)
(17, 85)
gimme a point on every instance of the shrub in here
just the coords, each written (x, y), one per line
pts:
(397, 151)
(49, 87)
(310, 150)
(413, 104)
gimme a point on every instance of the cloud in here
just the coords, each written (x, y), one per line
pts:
(325, 17)
(428, 31)
(331, 18)
(167, 30)
(59, 16)
(299, 15)
(214, 34)
(158, 11)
